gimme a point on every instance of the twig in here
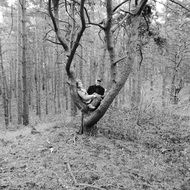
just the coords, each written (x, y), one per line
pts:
(53, 42)
(70, 171)
(177, 3)
(120, 60)
(81, 184)
(119, 5)
(59, 181)
(11, 22)
(87, 185)
(74, 137)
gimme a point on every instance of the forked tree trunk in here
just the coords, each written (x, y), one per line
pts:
(116, 83)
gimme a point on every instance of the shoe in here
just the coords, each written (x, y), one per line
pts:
(91, 106)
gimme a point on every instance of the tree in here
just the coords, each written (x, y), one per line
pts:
(25, 111)
(108, 25)
(19, 82)
(177, 30)
(4, 88)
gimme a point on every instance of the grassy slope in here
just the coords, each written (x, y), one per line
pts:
(152, 155)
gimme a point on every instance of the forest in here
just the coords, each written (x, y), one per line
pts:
(137, 137)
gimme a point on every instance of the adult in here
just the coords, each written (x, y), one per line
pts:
(86, 98)
(96, 88)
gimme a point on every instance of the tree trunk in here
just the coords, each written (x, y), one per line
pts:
(10, 91)
(55, 84)
(94, 117)
(37, 76)
(81, 63)
(72, 36)
(163, 88)
(116, 83)
(19, 82)
(173, 96)
(101, 73)
(46, 89)
(24, 67)
(109, 43)
(4, 89)
(138, 90)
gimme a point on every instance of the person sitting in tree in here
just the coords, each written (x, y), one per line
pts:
(98, 89)
(86, 98)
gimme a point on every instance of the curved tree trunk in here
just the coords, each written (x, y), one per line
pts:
(117, 80)
(94, 117)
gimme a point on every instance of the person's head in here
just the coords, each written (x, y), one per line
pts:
(98, 81)
(79, 83)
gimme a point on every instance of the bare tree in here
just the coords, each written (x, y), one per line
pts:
(4, 88)
(25, 111)
(116, 84)
(19, 81)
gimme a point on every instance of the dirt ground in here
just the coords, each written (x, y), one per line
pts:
(153, 154)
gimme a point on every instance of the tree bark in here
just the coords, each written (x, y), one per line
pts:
(72, 36)
(4, 89)
(116, 83)
(37, 75)
(19, 82)
(94, 117)
(24, 67)
(109, 42)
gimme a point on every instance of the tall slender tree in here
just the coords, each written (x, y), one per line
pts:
(25, 111)
(19, 81)
(4, 88)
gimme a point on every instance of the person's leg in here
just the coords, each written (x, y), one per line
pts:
(96, 102)
(91, 106)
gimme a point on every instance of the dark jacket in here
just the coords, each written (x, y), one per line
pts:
(96, 89)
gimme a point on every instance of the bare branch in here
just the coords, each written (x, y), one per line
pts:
(53, 42)
(120, 5)
(131, 14)
(141, 56)
(45, 36)
(90, 23)
(11, 22)
(139, 8)
(63, 43)
(95, 24)
(79, 35)
(121, 59)
(180, 4)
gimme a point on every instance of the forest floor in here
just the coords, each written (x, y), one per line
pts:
(132, 151)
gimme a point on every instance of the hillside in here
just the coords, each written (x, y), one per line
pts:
(155, 154)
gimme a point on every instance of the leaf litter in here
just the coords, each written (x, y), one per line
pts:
(153, 154)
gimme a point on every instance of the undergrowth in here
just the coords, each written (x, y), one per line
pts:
(129, 153)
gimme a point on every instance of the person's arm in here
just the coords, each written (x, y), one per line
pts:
(85, 96)
(90, 90)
